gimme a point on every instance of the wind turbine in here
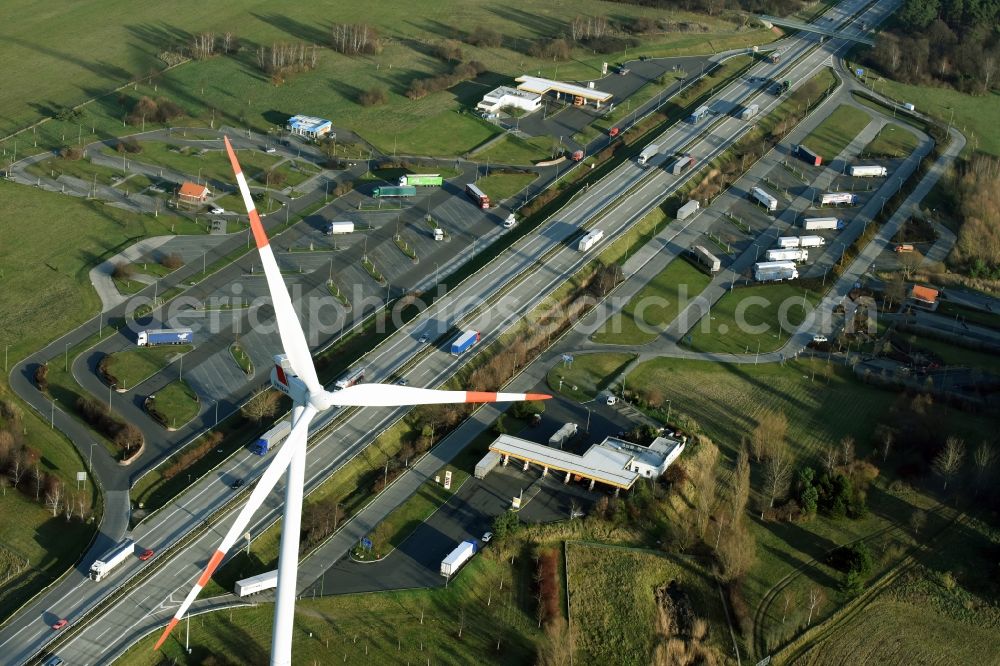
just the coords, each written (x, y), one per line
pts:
(295, 375)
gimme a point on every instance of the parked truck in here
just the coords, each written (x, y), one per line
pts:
(809, 156)
(869, 171)
(255, 584)
(699, 114)
(709, 260)
(817, 223)
(681, 164)
(271, 438)
(748, 112)
(477, 195)
(165, 336)
(349, 378)
(421, 179)
(648, 153)
(788, 241)
(771, 271)
(394, 191)
(788, 254)
(456, 558)
(563, 435)
(590, 240)
(339, 228)
(812, 241)
(759, 195)
(464, 342)
(838, 198)
(112, 559)
(688, 209)
(486, 465)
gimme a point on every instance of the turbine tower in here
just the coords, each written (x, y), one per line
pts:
(295, 375)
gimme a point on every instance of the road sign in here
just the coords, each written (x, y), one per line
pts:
(366, 543)
(81, 476)
(447, 479)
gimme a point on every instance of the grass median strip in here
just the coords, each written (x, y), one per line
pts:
(130, 367)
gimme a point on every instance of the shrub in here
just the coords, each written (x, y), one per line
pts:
(71, 153)
(42, 377)
(373, 96)
(482, 36)
(856, 562)
(123, 271)
(556, 49)
(449, 51)
(172, 261)
(129, 145)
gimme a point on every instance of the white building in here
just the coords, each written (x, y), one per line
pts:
(309, 126)
(650, 461)
(509, 97)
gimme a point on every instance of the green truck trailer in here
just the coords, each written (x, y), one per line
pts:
(394, 191)
(421, 179)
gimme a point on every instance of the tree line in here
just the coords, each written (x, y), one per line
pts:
(942, 42)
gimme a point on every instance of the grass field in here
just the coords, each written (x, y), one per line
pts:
(49, 263)
(132, 366)
(991, 319)
(176, 402)
(655, 306)
(93, 56)
(892, 632)
(956, 355)
(84, 169)
(383, 628)
(836, 131)
(612, 603)
(892, 141)
(502, 186)
(405, 518)
(515, 150)
(588, 373)
(206, 165)
(742, 319)
(974, 116)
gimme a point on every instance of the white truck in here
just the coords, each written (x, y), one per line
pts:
(255, 584)
(817, 223)
(837, 198)
(688, 209)
(112, 559)
(748, 112)
(456, 558)
(788, 241)
(764, 198)
(812, 241)
(648, 153)
(709, 260)
(770, 271)
(563, 435)
(869, 171)
(341, 227)
(486, 465)
(788, 254)
(590, 240)
(349, 379)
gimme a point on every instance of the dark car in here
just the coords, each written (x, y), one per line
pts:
(238, 483)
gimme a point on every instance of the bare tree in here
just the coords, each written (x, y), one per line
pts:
(788, 596)
(741, 485)
(38, 476)
(847, 450)
(772, 426)
(53, 498)
(831, 458)
(816, 599)
(948, 461)
(777, 474)
(909, 262)
(735, 553)
(918, 519)
(984, 458)
(887, 439)
(895, 290)
(262, 406)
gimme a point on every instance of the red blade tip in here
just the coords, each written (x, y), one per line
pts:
(537, 396)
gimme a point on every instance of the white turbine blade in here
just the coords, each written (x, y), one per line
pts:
(295, 440)
(390, 395)
(289, 328)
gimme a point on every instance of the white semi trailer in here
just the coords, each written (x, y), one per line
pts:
(788, 241)
(869, 171)
(590, 240)
(788, 254)
(812, 241)
(771, 271)
(838, 198)
(648, 153)
(112, 559)
(765, 199)
(456, 558)
(817, 223)
(255, 584)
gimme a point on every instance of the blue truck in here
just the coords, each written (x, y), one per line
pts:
(271, 438)
(464, 342)
(165, 336)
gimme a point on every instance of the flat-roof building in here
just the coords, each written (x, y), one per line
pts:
(503, 97)
(580, 94)
(614, 462)
(310, 126)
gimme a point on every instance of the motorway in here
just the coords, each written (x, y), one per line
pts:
(541, 261)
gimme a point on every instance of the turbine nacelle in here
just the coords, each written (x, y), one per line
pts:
(284, 379)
